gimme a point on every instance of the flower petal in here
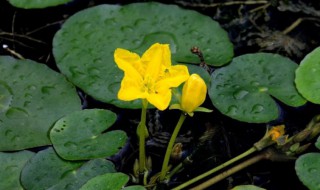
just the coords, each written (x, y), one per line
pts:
(131, 89)
(157, 56)
(129, 62)
(174, 76)
(160, 100)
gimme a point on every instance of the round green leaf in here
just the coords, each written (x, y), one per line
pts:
(46, 170)
(10, 168)
(244, 89)
(110, 181)
(85, 45)
(32, 98)
(318, 143)
(247, 187)
(308, 170)
(308, 76)
(81, 135)
(74, 180)
(34, 4)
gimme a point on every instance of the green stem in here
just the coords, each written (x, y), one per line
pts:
(227, 173)
(142, 137)
(248, 152)
(170, 146)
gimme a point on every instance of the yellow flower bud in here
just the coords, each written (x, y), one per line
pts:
(193, 94)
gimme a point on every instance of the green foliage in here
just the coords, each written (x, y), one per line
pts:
(247, 187)
(109, 181)
(81, 135)
(36, 4)
(32, 98)
(318, 143)
(46, 170)
(10, 168)
(84, 47)
(244, 89)
(308, 76)
(308, 170)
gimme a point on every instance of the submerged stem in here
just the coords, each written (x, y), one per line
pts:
(246, 153)
(223, 175)
(170, 146)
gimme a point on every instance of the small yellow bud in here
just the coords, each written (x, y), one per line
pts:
(194, 93)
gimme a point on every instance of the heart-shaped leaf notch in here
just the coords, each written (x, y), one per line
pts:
(46, 170)
(32, 98)
(80, 135)
(244, 89)
(85, 45)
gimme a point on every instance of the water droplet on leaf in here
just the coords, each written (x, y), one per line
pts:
(240, 94)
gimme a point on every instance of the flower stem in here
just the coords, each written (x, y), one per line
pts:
(142, 137)
(170, 146)
(246, 153)
(223, 175)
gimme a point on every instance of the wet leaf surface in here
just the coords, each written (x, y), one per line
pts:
(244, 90)
(10, 168)
(84, 47)
(81, 136)
(33, 97)
(35, 4)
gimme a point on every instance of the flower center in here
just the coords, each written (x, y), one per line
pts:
(148, 85)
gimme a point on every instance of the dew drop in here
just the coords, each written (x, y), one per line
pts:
(70, 145)
(255, 83)
(47, 89)
(240, 94)
(126, 29)
(232, 110)
(94, 71)
(312, 170)
(16, 113)
(257, 108)
(271, 77)
(219, 76)
(8, 132)
(88, 120)
(110, 22)
(31, 87)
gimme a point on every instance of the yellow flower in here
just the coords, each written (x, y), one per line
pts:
(276, 132)
(194, 93)
(149, 77)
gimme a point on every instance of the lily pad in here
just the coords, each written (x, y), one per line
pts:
(244, 90)
(46, 170)
(308, 76)
(110, 181)
(81, 135)
(32, 98)
(247, 187)
(35, 4)
(84, 46)
(10, 168)
(318, 143)
(308, 170)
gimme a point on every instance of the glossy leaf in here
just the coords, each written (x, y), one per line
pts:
(247, 187)
(81, 135)
(10, 168)
(46, 170)
(244, 90)
(308, 76)
(318, 143)
(85, 45)
(33, 97)
(308, 170)
(110, 181)
(35, 4)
